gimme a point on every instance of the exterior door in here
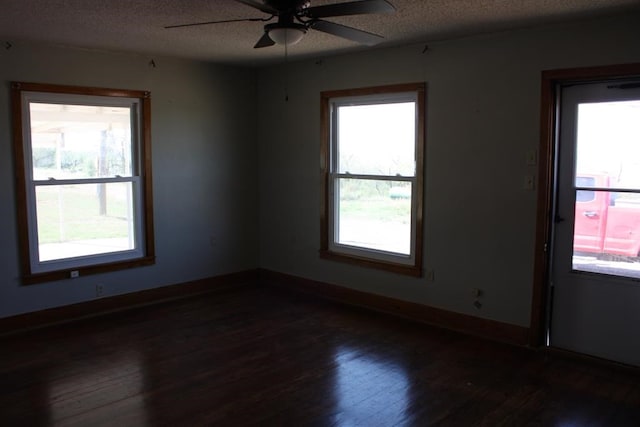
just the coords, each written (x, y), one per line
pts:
(595, 268)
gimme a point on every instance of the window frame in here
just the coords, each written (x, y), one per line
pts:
(22, 94)
(329, 248)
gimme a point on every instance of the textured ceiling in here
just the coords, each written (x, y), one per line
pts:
(138, 25)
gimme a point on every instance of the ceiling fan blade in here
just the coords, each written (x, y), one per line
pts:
(348, 33)
(265, 41)
(350, 8)
(260, 6)
(195, 24)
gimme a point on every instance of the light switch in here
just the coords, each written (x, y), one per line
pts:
(532, 158)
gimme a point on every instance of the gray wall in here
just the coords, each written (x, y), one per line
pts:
(234, 162)
(483, 100)
(204, 169)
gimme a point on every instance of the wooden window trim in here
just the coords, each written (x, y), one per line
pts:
(325, 162)
(28, 277)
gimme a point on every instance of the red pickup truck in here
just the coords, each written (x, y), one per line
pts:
(605, 223)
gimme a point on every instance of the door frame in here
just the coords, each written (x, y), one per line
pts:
(550, 80)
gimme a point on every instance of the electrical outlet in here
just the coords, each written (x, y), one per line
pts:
(528, 182)
(74, 274)
(99, 291)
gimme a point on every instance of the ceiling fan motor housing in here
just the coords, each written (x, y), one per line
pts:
(290, 6)
(296, 17)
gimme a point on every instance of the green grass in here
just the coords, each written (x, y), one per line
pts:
(71, 213)
(379, 209)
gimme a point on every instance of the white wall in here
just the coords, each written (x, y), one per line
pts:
(204, 169)
(483, 100)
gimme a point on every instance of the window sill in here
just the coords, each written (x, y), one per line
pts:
(51, 276)
(409, 270)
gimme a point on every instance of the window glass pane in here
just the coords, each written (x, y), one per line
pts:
(607, 233)
(607, 223)
(84, 219)
(377, 139)
(608, 146)
(374, 214)
(585, 181)
(585, 195)
(80, 141)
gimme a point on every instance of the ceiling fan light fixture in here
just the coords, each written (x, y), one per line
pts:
(286, 35)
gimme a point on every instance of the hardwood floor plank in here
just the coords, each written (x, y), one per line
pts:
(264, 356)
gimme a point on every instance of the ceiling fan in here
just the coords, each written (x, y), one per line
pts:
(296, 17)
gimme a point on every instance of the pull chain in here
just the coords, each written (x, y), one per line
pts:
(286, 67)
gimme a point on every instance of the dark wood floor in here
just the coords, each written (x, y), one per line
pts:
(260, 356)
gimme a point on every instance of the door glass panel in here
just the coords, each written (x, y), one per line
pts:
(607, 219)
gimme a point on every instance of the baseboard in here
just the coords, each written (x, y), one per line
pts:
(485, 328)
(100, 306)
(416, 312)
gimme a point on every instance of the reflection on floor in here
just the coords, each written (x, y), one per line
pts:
(94, 383)
(368, 387)
(263, 356)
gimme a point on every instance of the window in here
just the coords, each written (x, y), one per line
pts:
(584, 196)
(372, 166)
(83, 161)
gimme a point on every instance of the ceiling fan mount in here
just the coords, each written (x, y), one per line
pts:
(292, 5)
(297, 17)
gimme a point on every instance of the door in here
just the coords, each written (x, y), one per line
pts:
(595, 268)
